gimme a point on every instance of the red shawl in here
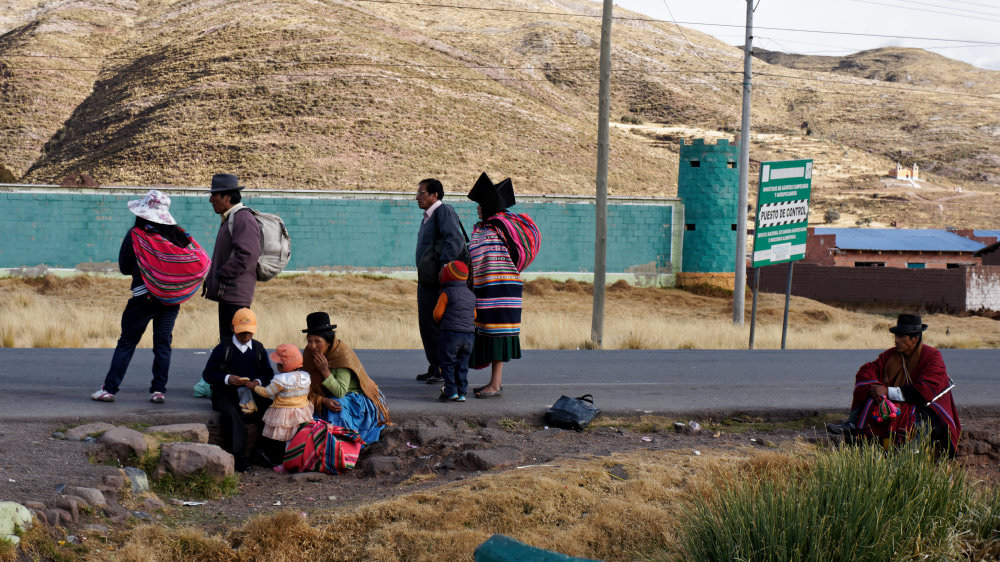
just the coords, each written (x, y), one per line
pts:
(929, 377)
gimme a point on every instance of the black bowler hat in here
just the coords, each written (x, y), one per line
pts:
(908, 325)
(492, 198)
(318, 322)
(225, 182)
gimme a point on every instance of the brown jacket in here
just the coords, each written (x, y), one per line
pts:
(233, 275)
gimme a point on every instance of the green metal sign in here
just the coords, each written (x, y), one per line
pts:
(782, 212)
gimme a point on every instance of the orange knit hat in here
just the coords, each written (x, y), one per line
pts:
(454, 271)
(289, 356)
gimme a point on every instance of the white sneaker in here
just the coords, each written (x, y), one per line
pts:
(102, 396)
(157, 398)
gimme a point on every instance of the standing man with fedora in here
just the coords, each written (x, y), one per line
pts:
(233, 277)
(440, 240)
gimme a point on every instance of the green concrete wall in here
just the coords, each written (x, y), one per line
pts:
(62, 228)
(710, 191)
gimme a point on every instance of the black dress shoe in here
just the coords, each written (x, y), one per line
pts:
(241, 464)
(436, 379)
(422, 377)
(260, 458)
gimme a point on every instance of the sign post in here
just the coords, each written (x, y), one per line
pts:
(780, 226)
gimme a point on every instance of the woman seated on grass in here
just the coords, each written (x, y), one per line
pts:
(342, 392)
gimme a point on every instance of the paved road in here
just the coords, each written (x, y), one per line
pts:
(55, 383)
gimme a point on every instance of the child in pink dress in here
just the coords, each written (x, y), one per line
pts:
(290, 391)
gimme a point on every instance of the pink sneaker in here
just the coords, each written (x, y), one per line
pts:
(157, 398)
(279, 469)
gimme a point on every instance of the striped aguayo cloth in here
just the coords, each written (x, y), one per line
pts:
(171, 274)
(320, 446)
(520, 234)
(496, 283)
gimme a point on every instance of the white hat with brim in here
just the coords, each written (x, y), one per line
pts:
(154, 207)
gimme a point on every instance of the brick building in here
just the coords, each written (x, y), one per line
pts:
(921, 248)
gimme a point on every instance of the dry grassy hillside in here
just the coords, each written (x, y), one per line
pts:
(373, 95)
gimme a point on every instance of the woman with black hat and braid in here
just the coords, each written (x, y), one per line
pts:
(497, 285)
(342, 393)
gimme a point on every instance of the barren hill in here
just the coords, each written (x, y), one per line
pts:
(368, 94)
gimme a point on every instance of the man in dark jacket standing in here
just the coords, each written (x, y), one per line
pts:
(233, 277)
(439, 241)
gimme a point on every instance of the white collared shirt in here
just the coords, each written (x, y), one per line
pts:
(243, 347)
(430, 210)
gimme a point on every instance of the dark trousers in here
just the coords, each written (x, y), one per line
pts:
(427, 297)
(233, 423)
(454, 350)
(226, 312)
(138, 313)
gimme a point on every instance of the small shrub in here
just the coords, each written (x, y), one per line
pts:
(633, 340)
(856, 503)
(631, 119)
(512, 424)
(198, 486)
(830, 216)
(8, 551)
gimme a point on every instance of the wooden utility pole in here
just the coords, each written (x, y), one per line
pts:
(601, 207)
(740, 282)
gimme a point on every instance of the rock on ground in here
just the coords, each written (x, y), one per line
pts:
(193, 432)
(13, 516)
(184, 460)
(81, 432)
(92, 496)
(380, 465)
(485, 459)
(123, 443)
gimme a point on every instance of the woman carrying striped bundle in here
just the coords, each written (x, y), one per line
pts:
(167, 266)
(499, 251)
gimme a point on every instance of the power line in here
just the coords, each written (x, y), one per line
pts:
(978, 15)
(656, 20)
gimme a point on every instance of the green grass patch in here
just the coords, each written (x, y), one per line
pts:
(641, 424)
(38, 544)
(855, 503)
(744, 424)
(735, 424)
(197, 487)
(513, 424)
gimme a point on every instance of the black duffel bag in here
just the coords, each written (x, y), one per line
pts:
(572, 413)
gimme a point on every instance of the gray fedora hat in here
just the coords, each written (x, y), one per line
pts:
(225, 182)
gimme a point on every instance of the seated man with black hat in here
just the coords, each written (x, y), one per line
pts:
(906, 388)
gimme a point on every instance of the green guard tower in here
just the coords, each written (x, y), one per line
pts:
(708, 183)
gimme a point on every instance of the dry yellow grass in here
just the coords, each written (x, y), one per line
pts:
(380, 313)
(575, 507)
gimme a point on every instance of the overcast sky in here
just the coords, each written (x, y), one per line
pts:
(896, 22)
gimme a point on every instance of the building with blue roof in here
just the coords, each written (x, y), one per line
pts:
(916, 248)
